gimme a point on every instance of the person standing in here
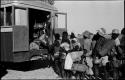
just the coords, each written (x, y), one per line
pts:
(87, 48)
(99, 61)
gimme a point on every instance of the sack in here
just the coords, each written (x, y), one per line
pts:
(79, 67)
(68, 62)
(76, 54)
(104, 60)
(34, 45)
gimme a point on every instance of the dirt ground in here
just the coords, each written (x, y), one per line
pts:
(43, 73)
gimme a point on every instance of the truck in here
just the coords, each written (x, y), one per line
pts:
(20, 20)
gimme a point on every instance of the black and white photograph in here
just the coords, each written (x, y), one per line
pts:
(62, 39)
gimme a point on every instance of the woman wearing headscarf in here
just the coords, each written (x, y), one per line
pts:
(87, 45)
(75, 45)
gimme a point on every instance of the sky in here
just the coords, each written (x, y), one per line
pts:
(91, 15)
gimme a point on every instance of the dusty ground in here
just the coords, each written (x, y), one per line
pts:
(42, 73)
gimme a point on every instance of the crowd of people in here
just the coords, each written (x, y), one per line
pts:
(93, 56)
(98, 57)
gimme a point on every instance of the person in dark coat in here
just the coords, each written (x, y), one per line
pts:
(122, 52)
(100, 40)
(115, 33)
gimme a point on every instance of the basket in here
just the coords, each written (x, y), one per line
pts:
(79, 67)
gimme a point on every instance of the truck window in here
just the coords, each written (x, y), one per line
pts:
(20, 16)
(1, 16)
(8, 16)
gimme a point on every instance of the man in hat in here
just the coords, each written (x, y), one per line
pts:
(115, 33)
(98, 59)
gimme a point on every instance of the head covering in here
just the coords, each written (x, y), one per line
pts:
(72, 35)
(101, 32)
(86, 34)
(115, 31)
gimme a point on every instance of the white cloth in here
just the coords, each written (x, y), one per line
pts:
(89, 61)
(104, 60)
(117, 42)
(76, 43)
(89, 71)
(76, 54)
(34, 45)
(66, 46)
(42, 38)
(68, 62)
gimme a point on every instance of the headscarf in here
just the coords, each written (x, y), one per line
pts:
(86, 34)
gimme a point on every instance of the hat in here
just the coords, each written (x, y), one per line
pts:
(116, 31)
(101, 32)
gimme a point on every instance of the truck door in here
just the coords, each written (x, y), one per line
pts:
(20, 30)
(60, 22)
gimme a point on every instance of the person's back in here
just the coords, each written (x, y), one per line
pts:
(98, 46)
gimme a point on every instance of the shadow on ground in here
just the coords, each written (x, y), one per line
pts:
(27, 65)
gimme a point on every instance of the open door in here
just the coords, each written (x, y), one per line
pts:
(20, 30)
(60, 22)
